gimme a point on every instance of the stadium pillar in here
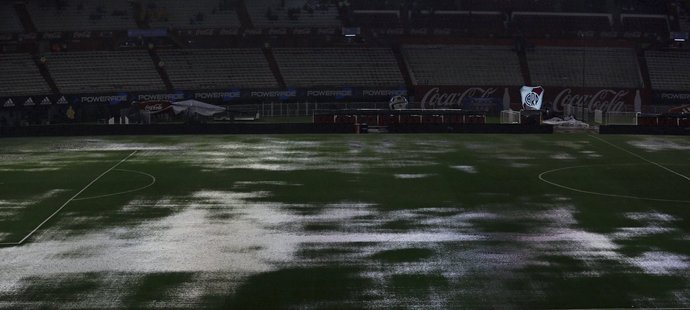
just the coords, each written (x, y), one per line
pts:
(273, 64)
(24, 16)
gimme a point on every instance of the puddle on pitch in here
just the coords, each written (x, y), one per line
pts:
(660, 144)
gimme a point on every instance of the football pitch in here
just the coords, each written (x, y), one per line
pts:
(345, 221)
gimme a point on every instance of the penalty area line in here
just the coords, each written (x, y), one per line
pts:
(642, 158)
(67, 202)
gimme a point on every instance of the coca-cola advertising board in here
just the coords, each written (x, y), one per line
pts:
(555, 98)
(455, 97)
(154, 106)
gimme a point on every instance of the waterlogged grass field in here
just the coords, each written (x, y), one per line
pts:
(345, 221)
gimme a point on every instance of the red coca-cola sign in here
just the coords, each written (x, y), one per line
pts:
(154, 106)
(555, 98)
(453, 97)
(591, 99)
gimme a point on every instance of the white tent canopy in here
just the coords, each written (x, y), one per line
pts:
(192, 106)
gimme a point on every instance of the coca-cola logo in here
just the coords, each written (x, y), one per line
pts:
(605, 99)
(435, 98)
(154, 106)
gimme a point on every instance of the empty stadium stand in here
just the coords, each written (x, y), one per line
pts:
(9, 21)
(218, 68)
(375, 5)
(657, 24)
(92, 72)
(81, 15)
(184, 14)
(592, 6)
(292, 13)
(20, 76)
(376, 18)
(463, 65)
(338, 67)
(602, 67)
(558, 24)
(470, 22)
(669, 70)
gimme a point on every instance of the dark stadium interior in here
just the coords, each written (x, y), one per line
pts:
(348, 154)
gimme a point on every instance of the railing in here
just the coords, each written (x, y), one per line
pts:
(282, 109)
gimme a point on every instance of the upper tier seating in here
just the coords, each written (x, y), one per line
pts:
(669, 70)
(339, 67)
(218, 68)
(185, 14)
(376, 19)
(80, 15)
(463, 65)
(647, 24)
(20, 76)
(9, 22)
(573, 6)
(602, 67)
(293, 13)
(533, 24)
(476, 22)
(92, 72)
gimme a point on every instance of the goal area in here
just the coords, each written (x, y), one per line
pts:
(510, 117)
(616, 118)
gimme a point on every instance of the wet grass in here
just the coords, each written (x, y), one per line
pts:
(418, 285)
(403, 255)
(318, 287)
(154, 288)
(345, 221)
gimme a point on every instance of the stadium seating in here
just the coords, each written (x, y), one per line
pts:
(20, 76)
(375, 5)
(463, 65)
(669, 70)
(592, 6)
(9, 22)
(377, 19)
(91, 72)
(603, 67)
(184, 14)
(476, 22)
(218, 68)
(81, 15)
(292, 13)
(533, 24)
(339, 67)
(646, 24)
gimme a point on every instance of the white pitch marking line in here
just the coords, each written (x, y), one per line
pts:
(67, 202)
(642, 158)
(153, 181)
(543, 179)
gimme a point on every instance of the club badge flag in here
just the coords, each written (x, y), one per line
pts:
(531, 97)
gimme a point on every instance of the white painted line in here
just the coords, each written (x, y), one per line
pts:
(66, 203)
(642, 158)
(543, 179)
(153, 181)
